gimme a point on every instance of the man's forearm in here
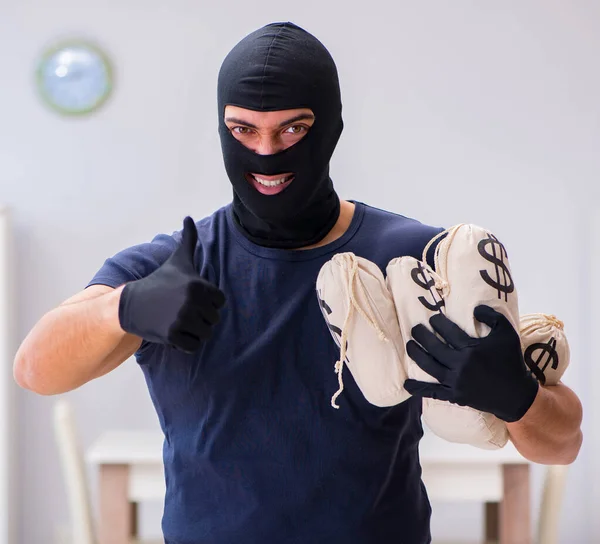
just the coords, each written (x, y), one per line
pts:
(550, 432)
(69, 345)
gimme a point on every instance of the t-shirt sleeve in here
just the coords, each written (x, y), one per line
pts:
(136, 262)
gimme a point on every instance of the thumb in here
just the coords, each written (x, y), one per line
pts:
(184, 254)
(487, 315)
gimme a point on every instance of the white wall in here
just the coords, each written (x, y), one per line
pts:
(454, 111)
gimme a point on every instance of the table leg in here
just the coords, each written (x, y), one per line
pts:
(515, 510)
(115, 522)
(492, 522)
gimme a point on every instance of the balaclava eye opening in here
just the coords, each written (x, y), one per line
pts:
(281, 67)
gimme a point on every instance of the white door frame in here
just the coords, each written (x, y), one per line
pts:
(8, 480)
(592, 399)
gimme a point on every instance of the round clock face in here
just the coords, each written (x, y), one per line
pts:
(74, 78)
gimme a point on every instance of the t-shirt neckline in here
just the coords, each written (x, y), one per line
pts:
(297, 254)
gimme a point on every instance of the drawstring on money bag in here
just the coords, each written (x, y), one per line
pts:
(351, 264)
(440, 259)
(541, 320)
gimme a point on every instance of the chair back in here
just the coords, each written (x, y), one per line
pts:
(552, 499)
(74, 474)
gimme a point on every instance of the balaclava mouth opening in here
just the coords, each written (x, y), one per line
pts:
(281, 67)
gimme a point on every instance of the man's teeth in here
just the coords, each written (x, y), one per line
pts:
(271, 183)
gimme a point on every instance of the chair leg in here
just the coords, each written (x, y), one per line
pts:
(492, 522)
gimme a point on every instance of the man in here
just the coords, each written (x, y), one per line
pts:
(227, 329)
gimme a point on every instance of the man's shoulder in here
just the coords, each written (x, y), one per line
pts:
(394, 221)
(388, 234)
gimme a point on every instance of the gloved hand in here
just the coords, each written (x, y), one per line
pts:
(487, 373)
(173, 305)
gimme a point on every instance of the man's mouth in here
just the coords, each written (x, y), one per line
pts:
(270, 185)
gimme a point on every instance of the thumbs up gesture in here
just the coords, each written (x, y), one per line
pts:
(173, 305)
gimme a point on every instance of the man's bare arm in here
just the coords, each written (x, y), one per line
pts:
(76, 342)
(550, 431)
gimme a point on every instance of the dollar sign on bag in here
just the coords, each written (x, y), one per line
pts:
(503, 282)
(538, 365)
(425, 281)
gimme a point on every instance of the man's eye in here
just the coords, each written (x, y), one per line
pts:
(241, 130)
(296, 129)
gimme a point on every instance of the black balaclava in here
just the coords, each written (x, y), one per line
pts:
(280, 67)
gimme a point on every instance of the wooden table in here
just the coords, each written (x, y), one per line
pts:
(499, 479)
(131, 472)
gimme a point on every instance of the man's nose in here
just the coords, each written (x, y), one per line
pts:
(269, 146)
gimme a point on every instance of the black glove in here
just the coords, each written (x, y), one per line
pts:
(173, 305)
(487, 374)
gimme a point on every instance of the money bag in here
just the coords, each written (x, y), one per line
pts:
(545, 346)
(471, 268)
(361, 317)
(371, 319)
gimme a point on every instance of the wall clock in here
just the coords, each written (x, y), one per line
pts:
(74, 78)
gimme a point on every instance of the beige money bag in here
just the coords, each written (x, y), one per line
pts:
(545, 347)
(473, 266)
(418, 294)
(361, 317)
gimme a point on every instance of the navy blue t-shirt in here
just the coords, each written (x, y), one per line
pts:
(254, 453)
